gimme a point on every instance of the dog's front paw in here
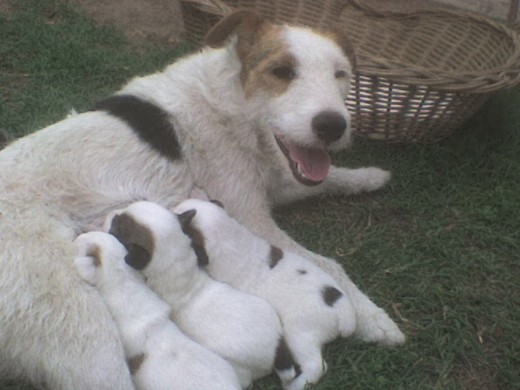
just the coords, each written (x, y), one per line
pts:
(378, 327)
(372, 178)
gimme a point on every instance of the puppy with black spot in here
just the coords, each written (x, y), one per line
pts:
(159, 355)
(312, 306)
(242, 328)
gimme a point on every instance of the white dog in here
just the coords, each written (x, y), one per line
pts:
(313, 308)
(242, 328)
(160, 356)
(250, 121)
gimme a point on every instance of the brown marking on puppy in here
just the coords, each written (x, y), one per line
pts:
(135, 362)
(95, 252)
(136, 238)
(331, 295)
(267, 64)
(197, 238)
(275, 256)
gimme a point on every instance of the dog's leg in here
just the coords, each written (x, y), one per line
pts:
(373, 324)
(340, 181)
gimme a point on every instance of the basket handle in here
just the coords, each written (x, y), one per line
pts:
(213, 7)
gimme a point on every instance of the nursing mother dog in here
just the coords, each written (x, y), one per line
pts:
(250, 120)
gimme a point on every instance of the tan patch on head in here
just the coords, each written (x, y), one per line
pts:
(267, 65)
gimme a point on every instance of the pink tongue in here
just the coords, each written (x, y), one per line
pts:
(314, 163)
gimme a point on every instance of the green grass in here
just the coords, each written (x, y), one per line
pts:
(438, 249)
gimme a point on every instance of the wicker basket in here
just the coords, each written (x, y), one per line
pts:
(420, 75)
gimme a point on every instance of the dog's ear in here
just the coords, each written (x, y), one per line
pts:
(340, 37)
(246, 23)
(137, 257)
(186, 217)
(218, 203)
(136, 238)
(195, 235)
(87, 267)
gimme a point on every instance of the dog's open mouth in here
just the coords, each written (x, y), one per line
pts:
(309, 166)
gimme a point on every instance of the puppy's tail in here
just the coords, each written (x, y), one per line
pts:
(284, 363)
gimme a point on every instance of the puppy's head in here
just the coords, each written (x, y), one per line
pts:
(153, 238)
(300, 79)
(100, 258)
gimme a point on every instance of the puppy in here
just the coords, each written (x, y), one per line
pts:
(242, 328)
(160, 356)
(313, 308)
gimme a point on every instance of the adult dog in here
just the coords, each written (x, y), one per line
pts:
(249, 121)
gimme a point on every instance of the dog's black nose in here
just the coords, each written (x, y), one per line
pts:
(329, 126)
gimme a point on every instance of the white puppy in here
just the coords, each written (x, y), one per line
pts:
(159, 355)
(312, 306)
(242, 328)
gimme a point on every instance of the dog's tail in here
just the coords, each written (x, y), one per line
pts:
(284, 363)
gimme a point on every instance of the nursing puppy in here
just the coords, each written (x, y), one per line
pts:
(160, 356)
(250, 121)
(313, 308)
(242, 328)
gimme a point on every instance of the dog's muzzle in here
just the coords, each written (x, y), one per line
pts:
(329, 126)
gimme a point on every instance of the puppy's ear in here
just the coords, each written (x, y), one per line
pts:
(195, 235)
(88, 268)
(340, 37)
(246, 23)
(218, 203)
(137, 257)
(186, 217)
(136, 238)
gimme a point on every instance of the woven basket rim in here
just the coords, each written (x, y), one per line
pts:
(482, 81)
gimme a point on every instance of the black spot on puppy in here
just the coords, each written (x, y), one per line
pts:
(302, 271)
(196, 236)
(275, 256)
(217, 202)
(284, 359)
(331, 295)
(150, 122)
(136, 238)
(135, 362)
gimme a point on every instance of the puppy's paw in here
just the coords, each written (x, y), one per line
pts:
(378, 327)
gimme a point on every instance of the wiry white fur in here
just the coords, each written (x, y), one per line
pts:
(62, 180)
(294, 286)
(242, 328)
(168, 358)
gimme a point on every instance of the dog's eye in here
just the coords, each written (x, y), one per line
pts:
(284, 73)
(340, 74)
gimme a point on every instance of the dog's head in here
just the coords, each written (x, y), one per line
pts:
(100, 259)
(302, 78)
(154, 239)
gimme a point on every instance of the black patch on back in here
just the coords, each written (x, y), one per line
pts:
(284, 359)
(196, 236)
(135, 362)
(302, 271)
(331, 295)
(275, 256)
(149, 121)
(136, 238)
